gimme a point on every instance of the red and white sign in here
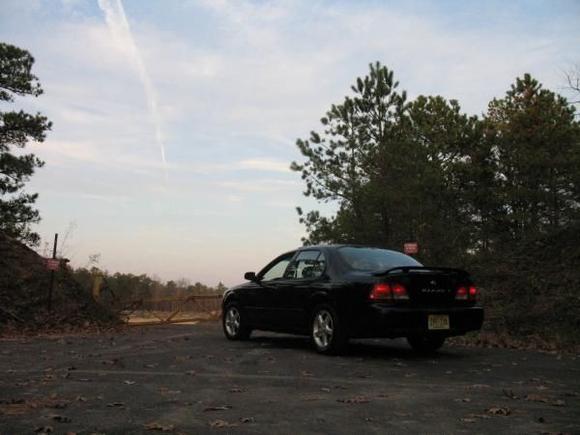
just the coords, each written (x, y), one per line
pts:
(411, 248)
(52, 263)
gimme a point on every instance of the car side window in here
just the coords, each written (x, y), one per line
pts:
(307, 265)
(276, 270)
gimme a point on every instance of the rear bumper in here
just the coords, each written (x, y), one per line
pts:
(388, 321)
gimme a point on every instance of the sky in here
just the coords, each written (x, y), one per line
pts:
(175, 122)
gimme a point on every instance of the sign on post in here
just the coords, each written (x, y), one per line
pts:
(52, 263)
(411, 248)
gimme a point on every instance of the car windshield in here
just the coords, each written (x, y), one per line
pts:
(375, 259)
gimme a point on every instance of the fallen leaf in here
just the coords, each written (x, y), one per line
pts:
(115, 404)
(537, 398)
(221, 423)
(479, 386)
(496, 410)
(510, 394)
(484, 416)
(127, 382)
(236, 390)
(159, 427)
(355, 400)
(217, 408)
(60, 418)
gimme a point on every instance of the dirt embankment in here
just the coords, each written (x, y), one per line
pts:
(24, 288)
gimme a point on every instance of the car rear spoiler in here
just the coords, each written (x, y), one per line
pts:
(406, 269)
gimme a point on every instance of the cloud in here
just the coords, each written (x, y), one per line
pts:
(117, 22)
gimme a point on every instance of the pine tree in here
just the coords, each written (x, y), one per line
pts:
(535, 139)
(16, 130)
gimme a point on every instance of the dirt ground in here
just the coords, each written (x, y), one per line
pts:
(189, 379)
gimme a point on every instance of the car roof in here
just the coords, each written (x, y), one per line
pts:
(342, 245)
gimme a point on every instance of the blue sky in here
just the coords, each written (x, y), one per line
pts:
(225, 88)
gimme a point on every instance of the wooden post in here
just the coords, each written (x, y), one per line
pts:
(52, 275)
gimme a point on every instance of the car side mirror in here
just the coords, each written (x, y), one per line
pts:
(251, 276)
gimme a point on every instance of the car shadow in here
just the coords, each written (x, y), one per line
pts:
(369, 348)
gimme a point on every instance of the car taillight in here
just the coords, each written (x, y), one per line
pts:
(400, 292)
(461, 294)
(381, 291)
(466, 293)
(472, 292)
(384, 291)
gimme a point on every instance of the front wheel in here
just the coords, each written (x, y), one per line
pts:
(328, 334)
(234, 323)
(426, 343)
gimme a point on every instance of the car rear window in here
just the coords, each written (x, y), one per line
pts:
(375, 259)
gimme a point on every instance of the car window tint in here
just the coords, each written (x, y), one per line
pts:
(276, 271)
(307, 265)
(374, 259)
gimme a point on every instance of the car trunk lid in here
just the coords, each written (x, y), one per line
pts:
(428, 286)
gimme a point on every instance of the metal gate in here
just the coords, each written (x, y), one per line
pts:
(193, 308)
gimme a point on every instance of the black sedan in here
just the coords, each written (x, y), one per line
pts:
(334, 293)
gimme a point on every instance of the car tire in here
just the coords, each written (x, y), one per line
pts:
(234, 323)
(426, 343)
(327, 332)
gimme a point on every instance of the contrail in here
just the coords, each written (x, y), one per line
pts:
(119, 26)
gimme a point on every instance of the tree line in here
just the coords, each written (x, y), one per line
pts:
(461, 185)
(473, 191)
(127, 287)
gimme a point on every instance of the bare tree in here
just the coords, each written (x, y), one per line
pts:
(573, 83)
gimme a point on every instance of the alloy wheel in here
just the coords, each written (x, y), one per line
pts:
(232, 321)
(323, 329)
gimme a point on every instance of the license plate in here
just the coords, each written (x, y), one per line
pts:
(438, 321)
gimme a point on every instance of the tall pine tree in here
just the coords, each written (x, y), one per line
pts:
(534, 137)
(16, 130)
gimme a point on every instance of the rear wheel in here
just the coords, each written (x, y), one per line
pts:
(426, 343)
(234, 323)
(327, 332)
